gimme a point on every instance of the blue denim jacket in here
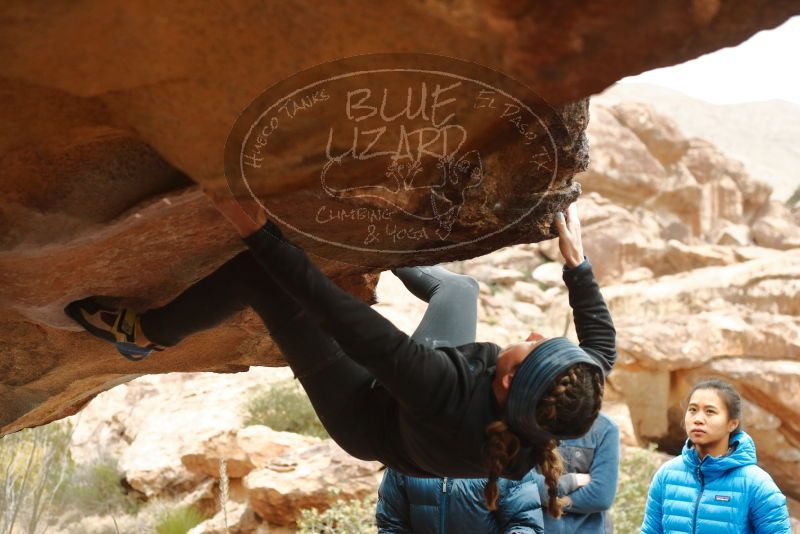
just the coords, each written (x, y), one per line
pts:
(596, 453)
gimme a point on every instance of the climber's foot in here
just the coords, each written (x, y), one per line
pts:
(120, 327)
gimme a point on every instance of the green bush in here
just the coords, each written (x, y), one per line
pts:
(794, 199)
(343, 517)
(178, 520)
(34, 464)
(95, 488)
(41, 484)
(636, 471)
(284, 406)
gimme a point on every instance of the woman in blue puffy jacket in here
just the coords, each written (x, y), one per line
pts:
(715, 486)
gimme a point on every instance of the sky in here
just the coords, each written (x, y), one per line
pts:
(765, 67)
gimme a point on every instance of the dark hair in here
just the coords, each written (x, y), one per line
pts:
(502, 446)
(569, 407)
(728, 394)
(572, 404)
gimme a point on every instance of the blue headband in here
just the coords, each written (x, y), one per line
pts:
(534, 378)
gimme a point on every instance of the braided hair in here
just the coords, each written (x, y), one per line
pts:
(570, 406)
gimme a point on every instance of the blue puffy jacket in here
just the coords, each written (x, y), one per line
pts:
(412, 505)
(718, 495)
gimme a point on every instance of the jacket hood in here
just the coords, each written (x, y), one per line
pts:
(743, 453)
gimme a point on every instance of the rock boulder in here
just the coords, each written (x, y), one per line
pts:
(114, 113)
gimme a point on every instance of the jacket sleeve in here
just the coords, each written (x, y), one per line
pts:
(420, 378)
(567, 483)
(768, 513)
(519, 510)
(392, 513)
(653, 508)
(593, 324)
(598, 495)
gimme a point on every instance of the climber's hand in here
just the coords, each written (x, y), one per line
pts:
(569, 236)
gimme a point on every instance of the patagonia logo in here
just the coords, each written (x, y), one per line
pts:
(723, 498)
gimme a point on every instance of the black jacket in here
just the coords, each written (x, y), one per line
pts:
(428, 407)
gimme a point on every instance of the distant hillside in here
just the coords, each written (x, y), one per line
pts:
(765, 136)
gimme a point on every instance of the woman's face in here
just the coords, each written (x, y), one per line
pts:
(707, 419)
(513, 355)
(508, 361)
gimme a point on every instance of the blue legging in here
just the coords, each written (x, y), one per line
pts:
(345, 396)
(451, 317)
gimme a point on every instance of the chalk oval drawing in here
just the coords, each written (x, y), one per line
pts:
(391, 153)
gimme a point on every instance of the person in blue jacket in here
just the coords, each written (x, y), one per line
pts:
(588, 486)
(715, 486)
(416, 505)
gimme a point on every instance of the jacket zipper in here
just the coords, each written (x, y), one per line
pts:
(699, 495)
(443, 507)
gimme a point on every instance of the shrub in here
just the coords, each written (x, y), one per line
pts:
(284, 406)
(794, 199)
(38, 479)
(178, 520)
(351, 516)
(636, 471)
(34, 464)
(95, 488)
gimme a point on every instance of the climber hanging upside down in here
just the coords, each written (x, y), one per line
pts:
(433, 404)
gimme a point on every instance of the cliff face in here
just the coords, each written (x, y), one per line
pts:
(114, 115)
